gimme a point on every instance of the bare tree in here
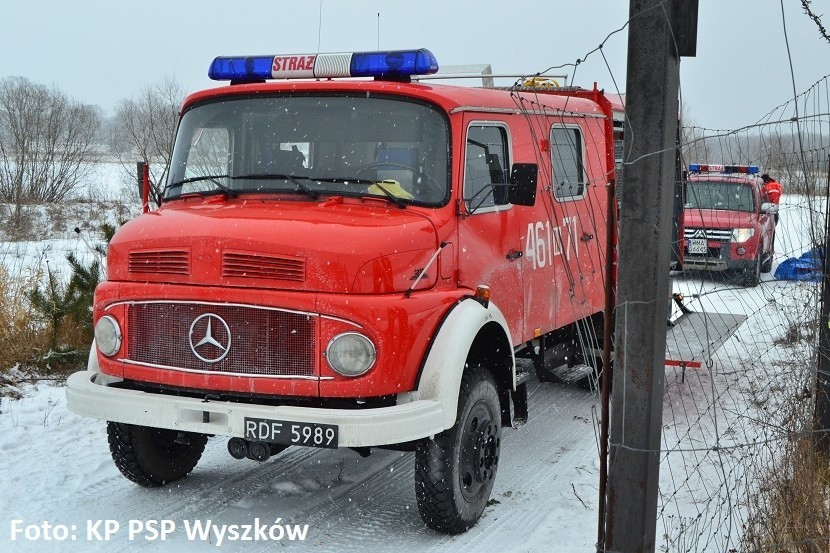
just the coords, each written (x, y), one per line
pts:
(46, 143)
(145, 127)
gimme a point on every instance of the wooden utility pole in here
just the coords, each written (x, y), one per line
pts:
(659, 32)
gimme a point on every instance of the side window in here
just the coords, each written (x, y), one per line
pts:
(486, 163)
(566, 161)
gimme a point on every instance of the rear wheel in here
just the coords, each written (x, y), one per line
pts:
(455, 471)
(153, 457)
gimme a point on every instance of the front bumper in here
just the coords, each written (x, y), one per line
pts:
(715, 264)
(357, 428)
(718, 259)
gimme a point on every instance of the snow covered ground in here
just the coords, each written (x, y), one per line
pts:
(60, 491)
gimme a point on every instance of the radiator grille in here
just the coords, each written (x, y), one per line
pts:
(265, 342)
(247, 265)
(722, 234)
(171, 262)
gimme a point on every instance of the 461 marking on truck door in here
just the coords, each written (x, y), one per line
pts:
(544, 241)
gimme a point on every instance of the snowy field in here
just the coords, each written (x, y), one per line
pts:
(59, 487)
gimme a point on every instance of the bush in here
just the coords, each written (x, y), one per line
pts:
(66, 310)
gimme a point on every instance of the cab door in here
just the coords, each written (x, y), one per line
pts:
(490, 249)
(564, 239)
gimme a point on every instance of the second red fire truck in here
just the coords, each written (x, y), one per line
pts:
(728, 225)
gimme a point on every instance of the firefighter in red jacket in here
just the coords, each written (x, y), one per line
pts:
(771, 191)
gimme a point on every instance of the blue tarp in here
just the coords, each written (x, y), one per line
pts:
(807, 268)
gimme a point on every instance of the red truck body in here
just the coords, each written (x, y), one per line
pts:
(363, 262)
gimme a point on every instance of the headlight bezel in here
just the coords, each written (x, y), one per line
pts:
(334, 358)
(111, 336)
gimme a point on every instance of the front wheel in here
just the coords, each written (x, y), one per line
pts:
(455, 471)
(766, 266)
(752, 274)
(153, 457)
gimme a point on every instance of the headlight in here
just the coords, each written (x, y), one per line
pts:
(108, 335)
(351, 354)
(741, 235)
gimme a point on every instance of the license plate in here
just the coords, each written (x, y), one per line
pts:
(698, 245)
(291, 433)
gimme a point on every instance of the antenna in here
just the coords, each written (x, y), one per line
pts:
(319, 25)
(378, 30)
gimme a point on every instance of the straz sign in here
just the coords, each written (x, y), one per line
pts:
(293, 67)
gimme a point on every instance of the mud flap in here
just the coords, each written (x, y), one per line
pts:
(519, 397)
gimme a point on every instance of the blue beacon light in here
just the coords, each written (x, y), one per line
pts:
(712, 168)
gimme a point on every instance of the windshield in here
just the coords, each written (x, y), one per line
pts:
(363, 145)
(733, 196)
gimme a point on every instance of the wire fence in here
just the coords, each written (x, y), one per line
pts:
(738, 466)
(738, 472)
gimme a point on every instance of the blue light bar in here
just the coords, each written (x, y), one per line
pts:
(241, 68)
(713, 168)
(394, 63)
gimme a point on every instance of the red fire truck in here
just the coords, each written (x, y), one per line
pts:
(727, 223)
(343, 258)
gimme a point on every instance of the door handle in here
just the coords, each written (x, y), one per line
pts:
(512, 255)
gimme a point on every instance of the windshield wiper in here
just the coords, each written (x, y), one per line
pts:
(342, 180)
(230, 192)
(294, 179)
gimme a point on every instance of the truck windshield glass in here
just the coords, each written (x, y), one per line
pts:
(332, 145)
(720, 195)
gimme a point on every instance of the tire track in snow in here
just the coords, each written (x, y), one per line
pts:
(537, 461)
(346, 499)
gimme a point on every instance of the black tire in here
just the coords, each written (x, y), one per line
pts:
(752, 275)
(153, 457)
(455, 471)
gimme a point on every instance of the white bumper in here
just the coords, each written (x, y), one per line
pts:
(357, 428)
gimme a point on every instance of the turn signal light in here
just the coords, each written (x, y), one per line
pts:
(482, 295)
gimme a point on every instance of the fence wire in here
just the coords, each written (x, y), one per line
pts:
(737, 469)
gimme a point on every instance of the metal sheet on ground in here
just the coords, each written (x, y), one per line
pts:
(697, 336)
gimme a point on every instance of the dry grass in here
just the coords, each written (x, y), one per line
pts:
(791, 511)
(23, 337)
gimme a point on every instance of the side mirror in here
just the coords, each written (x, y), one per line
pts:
(143, 176)
(522, 189)
(769, 208)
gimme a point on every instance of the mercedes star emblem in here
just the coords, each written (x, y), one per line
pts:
(210, 334)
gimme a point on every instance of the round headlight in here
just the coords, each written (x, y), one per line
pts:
(351, 354)
(108, 335)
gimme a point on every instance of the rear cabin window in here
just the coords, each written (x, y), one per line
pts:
(486, 164)
(567, 162)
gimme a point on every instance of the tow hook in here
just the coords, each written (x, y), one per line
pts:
(257, 451)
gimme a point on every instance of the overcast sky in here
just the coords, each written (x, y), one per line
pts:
(101, 51)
